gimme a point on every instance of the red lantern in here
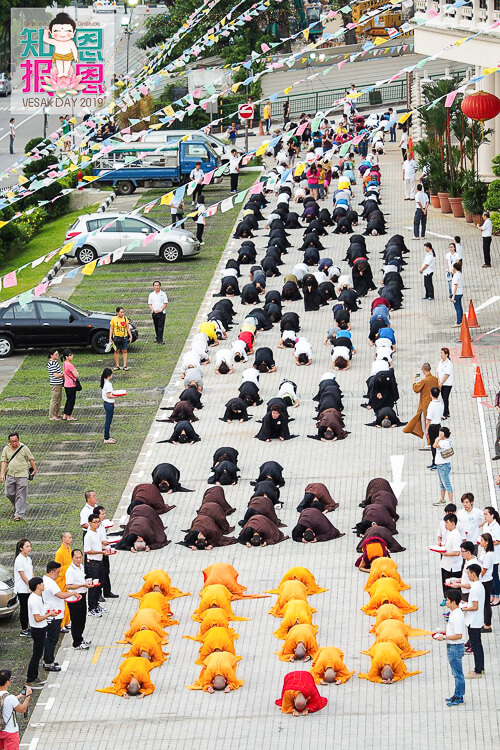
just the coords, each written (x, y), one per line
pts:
(481, 106)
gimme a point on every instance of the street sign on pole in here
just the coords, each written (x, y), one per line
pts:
(245, 111)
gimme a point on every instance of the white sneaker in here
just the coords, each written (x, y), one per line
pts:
(82, 647)
(110, 441)
(95, 613)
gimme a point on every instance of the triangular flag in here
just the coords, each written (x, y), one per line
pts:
(89, 268)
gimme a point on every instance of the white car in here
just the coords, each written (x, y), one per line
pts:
(104, 6)
(117, 229)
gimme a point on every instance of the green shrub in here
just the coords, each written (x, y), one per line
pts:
(493, 199)
(495, 220)
(30, 225)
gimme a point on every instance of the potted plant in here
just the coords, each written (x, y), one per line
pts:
(474, 197)
(455, 198)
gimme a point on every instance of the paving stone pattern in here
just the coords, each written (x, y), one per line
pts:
(412, 713)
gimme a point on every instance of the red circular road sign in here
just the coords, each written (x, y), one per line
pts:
(246, 111)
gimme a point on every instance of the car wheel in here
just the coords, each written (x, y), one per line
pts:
(6, 346)
(86, 254)
(99, 341)
(125, 188)
(170, 253)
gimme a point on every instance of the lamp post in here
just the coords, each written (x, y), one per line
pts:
(127, 24)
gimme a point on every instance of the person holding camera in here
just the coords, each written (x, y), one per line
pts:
(10, 705)
(17, 466)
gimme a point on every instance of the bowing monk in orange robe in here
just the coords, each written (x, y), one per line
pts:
(395, 631)
(212, 618)
(328, 666)
(63, 557)
(287, 591)
(386, 591)
(146, 642)
(387, 665)
(132, 678)
(226, 575)
(391, 612)
(303, 575)
(155, 600)
(300, 644)
(295, 612)
(218, 673)
(216, 639)
(158, 580)
(145, 619)
(215, 595)
(385, 567)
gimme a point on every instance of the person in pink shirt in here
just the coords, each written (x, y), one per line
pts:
(71, 385)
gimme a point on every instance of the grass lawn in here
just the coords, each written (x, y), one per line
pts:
(50, 237)
(71, 456)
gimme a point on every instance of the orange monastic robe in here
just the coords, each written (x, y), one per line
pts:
(146, 640)
(226, 575)
(134, 666)
(295, 612)
(385, 567)
(218, 596)
(162, 580)
(395, 631)
(329, 656)
(386, 590)
(391, 612)
(219, 663)
(217, 639)
(212, 618)
(303, 575)
(287, 591)
(145, 619)
(382, 654)
(63, 557)
(155, 600)
(305, 634)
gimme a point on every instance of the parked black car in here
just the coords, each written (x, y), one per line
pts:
(49, 321)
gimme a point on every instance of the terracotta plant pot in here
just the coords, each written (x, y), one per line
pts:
(477, 219)
(468, 218)
(457, 207)
(444, 202)
(435, 201)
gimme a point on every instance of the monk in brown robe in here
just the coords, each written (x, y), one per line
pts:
(383, 533)
(143, 523)
(261, 506)
(379, 484)
(216, 495)
(316, 491)
(259, 531)
(215, 512)
(386, 499)
(204, 534)
(423, 386)
(330, 426)
(314, 526)
(381, 516)
(150, 495)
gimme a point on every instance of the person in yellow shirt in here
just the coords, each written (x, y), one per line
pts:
(120, 335)
(267, 117)
(208, 327)
(63, 557)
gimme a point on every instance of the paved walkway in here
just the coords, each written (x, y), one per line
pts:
(413, 712)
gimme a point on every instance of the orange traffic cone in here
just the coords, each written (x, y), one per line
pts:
(261, 129)
(479, 391)
(462, 328)
(147, 7)
(471, 317)
(466, 344)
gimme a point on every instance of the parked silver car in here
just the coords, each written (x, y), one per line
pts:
(8, 599)
(5, 85)
(117, 229)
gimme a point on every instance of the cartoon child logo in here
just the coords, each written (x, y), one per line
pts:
(60, 34)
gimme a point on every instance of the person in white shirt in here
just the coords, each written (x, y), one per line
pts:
(288, 392)
(427, 271)
(457, 291)
(474, 619)
(381, 364)
(455, 638)
(403, 143)
(38, 615)
(486, 230)
(190, 359)
(433, 422)
(23, 573)
(234, 170)
(442, 532)
(486, 558)
(446, 378)
(491, 525)
(239, 351)
(341, 357)
(443, 464)
(157, 302)
(450, 258)
(250, 374)
(177, 211)
(469, 518)
(409, 177)
(108, 402)
(54, 600)
(199, 345)
(467, 551)
(198, 175)
(201, 219)
(88, 508)
(303, 352)
(77, 584)
(451, 560)
(224, 362)
(420, 216)
(11, 704)
(459, 248)
(92, 546)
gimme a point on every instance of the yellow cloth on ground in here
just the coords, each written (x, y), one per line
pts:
(305, 634)
(212, 618)
(161, 579)
(385, 567)
(215, 595)
(395, 631)
(63, 557)
(295, 612)
(386, 590)
(287, 591)
(219, 663)
(134, 666)
(155, 600)
(303, 575)
(217, 639)
(146, 640)
(226, 575)
(330, 656)
(145, 619)
(382, 654)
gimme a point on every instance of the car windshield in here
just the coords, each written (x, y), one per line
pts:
(77, 309)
